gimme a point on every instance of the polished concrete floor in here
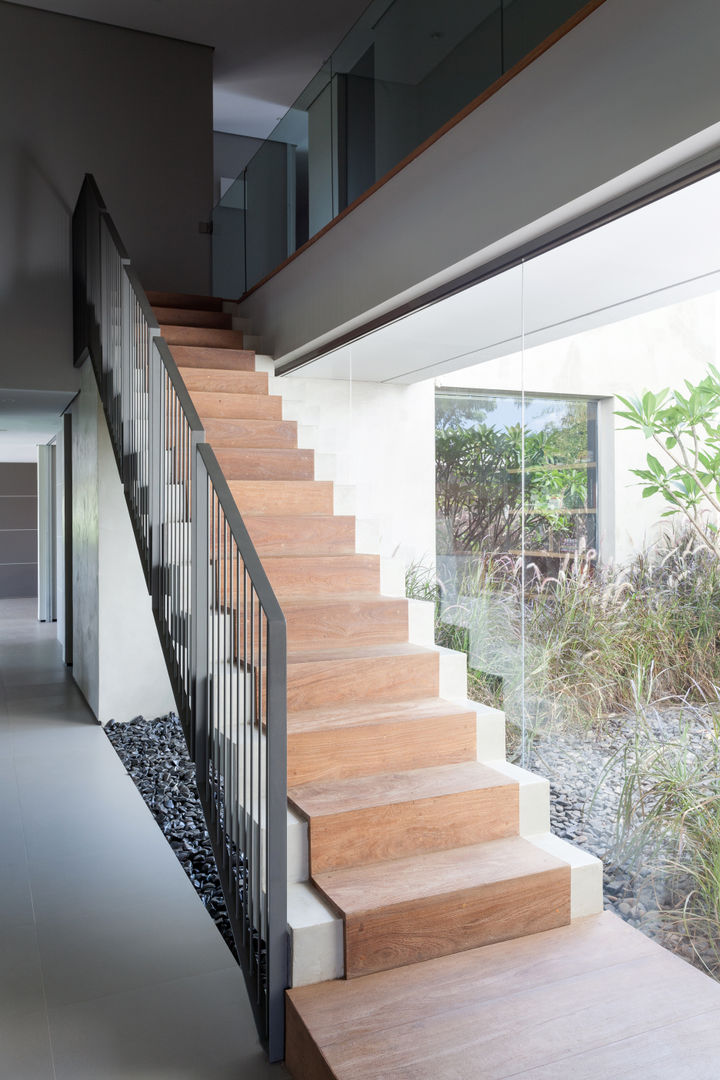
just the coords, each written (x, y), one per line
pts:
(110, 967)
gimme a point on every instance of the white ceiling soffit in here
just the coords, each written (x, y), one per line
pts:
(265, 52)
(29, 418)
(658, 255)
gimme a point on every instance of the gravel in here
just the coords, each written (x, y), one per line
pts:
(155, 755)
(586, 775)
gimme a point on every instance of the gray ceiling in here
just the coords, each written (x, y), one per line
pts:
(266, 51)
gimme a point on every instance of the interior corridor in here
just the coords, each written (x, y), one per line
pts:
(110, 966)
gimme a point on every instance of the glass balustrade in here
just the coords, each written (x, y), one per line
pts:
(403, 71)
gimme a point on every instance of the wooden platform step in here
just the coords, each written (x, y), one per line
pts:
(202, 336)
(267, 464)
(247, 433)
(296, 534)
(411, 909)
(184, 300)
(368, 673)
(212, 357)
(283, 497)
(588, 1001)
(358, 739)
(171, 316)
(392, 815)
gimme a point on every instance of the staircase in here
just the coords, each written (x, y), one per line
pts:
(416, 848)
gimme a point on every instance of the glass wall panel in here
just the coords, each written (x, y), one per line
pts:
(621, 607)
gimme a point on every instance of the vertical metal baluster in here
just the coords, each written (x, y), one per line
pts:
(225, 690)
(258, 855)
(230, 800)
(251, 769)
(238, 722)
(211, 666)
(244, 835)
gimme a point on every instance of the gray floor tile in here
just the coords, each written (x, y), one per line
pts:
(25, 1046)
(16, 902)
(197, 1028)
(76, 886)
(139, 945)
(21, 984)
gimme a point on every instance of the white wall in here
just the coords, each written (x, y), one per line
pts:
(134, 109)
(652, 351)
(117, 659)
(382, 439)
(596, 115)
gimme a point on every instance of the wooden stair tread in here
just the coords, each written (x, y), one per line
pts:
(365, 652)
(158, 298)
(355, 890)
(219, 383)
(249, 433)
(360, 715)
(590, 1000)
(361, 738)
(299, 496)
(212, 357)
(174, 316)
(202, 336)
(230, 407)
(309, 574)
(384, 789)
(271, 464)
(291, 534)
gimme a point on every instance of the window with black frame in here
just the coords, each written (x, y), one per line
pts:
(487, 474)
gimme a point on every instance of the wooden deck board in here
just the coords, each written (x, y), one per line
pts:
(583, 1002)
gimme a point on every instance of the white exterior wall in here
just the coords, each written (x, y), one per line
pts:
(117, 660)
(378, 440)
(652, 351)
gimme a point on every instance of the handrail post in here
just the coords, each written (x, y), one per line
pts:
(200, 562)
(156, 447)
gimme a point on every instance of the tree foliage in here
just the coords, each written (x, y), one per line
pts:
(684, 428)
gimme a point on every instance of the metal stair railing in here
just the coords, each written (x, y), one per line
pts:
(221, 628)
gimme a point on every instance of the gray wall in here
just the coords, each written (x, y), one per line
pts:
(134, 109)
(117, 660)
(600, 113)
(18, 529)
